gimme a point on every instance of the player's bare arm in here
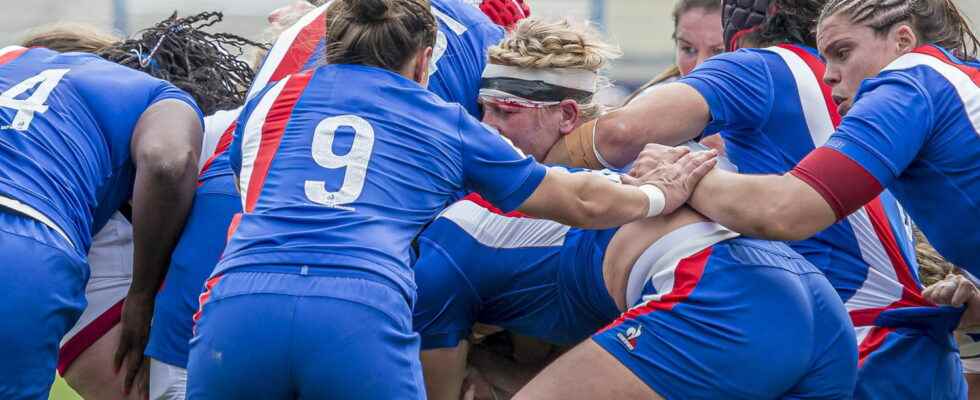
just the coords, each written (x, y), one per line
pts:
(774, 207)
(589, 201)
(165, 148)
(621, 134)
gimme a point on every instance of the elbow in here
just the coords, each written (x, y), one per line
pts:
(169, 167)
(618, 143)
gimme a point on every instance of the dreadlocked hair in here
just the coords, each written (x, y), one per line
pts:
(204, 64)
(938, 22)
(538, 44)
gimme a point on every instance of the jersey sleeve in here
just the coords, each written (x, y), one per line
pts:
(738, 89)
(493, 167)
(117, 97)
(879, 137)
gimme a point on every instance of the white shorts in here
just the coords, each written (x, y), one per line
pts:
(167, 382)
(111, 264)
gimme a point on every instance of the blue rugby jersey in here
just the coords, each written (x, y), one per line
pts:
(66, 121)
(915, 130)
(341, 167)
(772, 108)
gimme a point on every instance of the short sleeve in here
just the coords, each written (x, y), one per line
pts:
(738, 89)
(493, 167)
(886, 128)
(117, 97)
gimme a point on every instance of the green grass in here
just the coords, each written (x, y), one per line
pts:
(61, 391)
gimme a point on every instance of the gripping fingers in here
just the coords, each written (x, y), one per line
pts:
(654, 156)
(964, 291)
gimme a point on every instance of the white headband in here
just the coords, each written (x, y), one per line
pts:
(572, 78)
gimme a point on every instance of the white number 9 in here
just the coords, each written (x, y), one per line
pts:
(356, 160)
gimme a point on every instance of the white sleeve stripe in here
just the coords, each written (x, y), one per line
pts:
(252, 136)
(281, 47)
(967, 90)
(818, 120)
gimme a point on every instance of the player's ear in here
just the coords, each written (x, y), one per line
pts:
(569, 116)
(421, 73)
(905, 38)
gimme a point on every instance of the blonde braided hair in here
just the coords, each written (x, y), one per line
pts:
(536, 43)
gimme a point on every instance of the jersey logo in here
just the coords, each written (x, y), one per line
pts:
(629, 339)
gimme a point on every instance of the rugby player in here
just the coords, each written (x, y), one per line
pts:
(85, 356)
(328, 234)
(465, 34)
(561, 284)
(772, 109)
(82, 135)
(905, 75)
(697, 37)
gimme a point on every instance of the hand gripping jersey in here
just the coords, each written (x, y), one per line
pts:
(915, 130)
(341, 166)
(458, 57)
(868, 256)
(66, 123)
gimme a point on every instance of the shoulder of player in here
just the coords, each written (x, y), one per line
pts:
(931, 74)
(915, 80)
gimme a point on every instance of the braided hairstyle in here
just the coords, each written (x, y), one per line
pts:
(204, 64)
(535, 43)
(938, 22)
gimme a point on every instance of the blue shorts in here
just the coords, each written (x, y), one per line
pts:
(904, 361)
(197, 252)
(43, 284)
(743, 320)
(284, 336)
(553, 293)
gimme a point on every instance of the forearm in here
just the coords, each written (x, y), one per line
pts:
(586, 201)
(162, 198)
(773, 207)
(165, 149)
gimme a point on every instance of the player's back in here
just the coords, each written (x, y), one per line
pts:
(535, 277)
(67, 120)
(769, 128)
(937, 168)
(341, 166)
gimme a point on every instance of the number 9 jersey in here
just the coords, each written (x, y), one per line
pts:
(341, 167)
(66, 121)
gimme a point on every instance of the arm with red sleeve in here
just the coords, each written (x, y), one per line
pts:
(875, 142)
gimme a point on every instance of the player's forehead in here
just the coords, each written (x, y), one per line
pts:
(833, 31)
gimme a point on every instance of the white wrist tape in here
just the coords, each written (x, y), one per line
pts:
(657, 199)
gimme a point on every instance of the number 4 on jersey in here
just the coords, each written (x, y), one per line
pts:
(45, 83)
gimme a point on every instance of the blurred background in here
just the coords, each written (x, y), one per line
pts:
(641, 27)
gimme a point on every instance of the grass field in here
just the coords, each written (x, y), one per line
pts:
(61, 391)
